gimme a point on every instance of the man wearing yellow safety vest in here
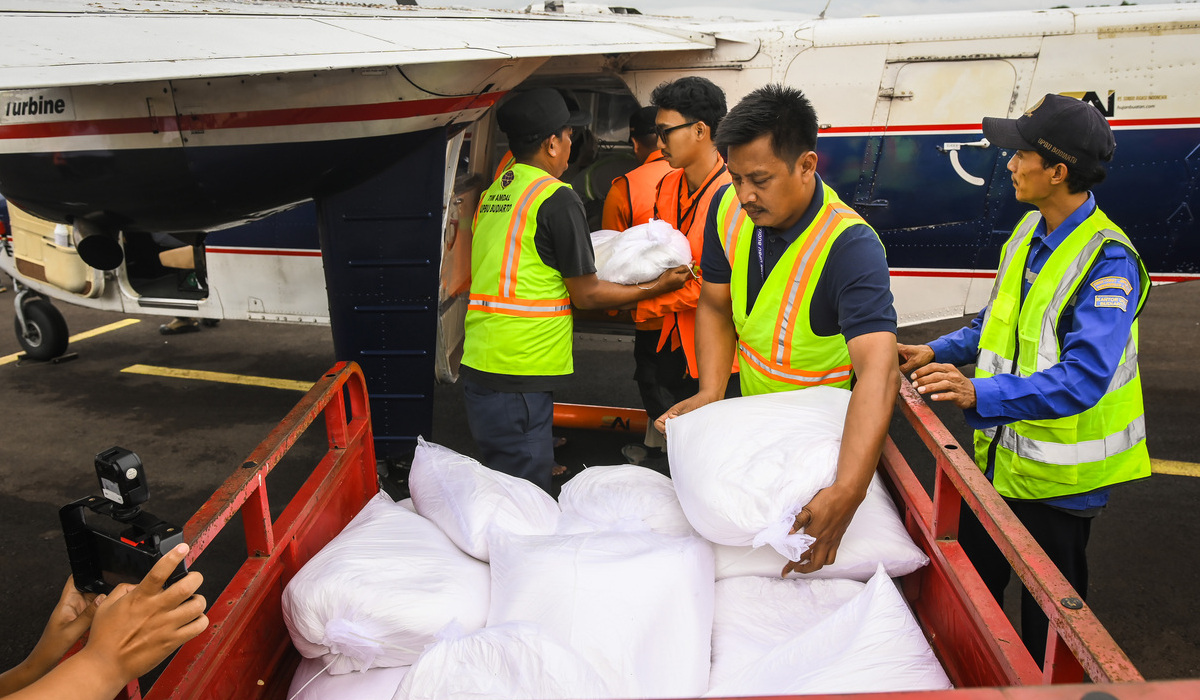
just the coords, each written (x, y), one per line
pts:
(797, 284)
(531, 259)
(1056, 401)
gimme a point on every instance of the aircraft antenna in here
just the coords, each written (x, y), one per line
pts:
(827, 4)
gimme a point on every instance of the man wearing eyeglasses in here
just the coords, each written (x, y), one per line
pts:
(531, 259)
(797, 282)
(689, 110)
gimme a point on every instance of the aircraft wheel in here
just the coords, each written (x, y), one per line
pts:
(46, 328)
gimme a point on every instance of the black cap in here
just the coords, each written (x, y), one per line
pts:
(1067, 129)
(534, 115)
(642, 122)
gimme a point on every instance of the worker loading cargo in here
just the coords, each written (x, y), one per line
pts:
(796, 284)
(1056, 401)
(531, 259)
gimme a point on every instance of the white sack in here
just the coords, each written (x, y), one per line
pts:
(637, 605)
(870, 644)
(875, 536)
(753, 615)
(513, 661)
(312, 682)
(379, 591)
(640, 253)
(467, 500)
(744, 467)
(622, 497)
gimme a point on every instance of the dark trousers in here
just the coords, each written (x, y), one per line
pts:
(662, 377)
(513, 430)
(1064, 537)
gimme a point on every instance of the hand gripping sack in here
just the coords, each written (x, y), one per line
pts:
(744, 467)
(621, 497)
(872, 643)
(467, 500)
(381, 590)
(512, 661)
(640, 253)
(875, 536)
(637, 605)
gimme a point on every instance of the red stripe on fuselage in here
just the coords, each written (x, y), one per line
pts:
(256, 119)
(263, 251)
(978, 128)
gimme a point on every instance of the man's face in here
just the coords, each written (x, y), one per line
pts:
(770, 194)
(1032, 180)
(678, 134)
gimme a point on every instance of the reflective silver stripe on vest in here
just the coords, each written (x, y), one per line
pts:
(1128, 368)
(781, 340)
(731, 232)
(785, 376)
(1078, 453)
(517, 306)
(1010, 251)
(993, 363)
(515, 223)
(1048, 343)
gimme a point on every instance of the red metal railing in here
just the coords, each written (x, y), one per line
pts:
(246, 652)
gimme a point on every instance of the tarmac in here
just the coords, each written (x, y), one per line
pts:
(191, 432)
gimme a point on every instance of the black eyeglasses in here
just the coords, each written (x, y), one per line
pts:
(662, 132)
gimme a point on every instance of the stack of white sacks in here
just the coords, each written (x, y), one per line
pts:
(630, 586)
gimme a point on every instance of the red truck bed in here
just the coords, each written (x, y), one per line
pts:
(246, 652)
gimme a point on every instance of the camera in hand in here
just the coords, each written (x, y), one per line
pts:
(110, 539)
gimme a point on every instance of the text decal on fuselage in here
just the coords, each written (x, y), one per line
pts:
(32, 106)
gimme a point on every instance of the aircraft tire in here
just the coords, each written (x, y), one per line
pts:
(47, 328)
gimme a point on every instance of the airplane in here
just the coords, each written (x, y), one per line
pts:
(277, 139)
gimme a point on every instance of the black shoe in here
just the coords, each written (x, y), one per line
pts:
(210, 322)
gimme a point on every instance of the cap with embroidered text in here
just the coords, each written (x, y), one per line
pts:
(536, 114)
(1069, 130)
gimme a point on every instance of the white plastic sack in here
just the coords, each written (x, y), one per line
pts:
(753, 615)
(640, 253)
(870, 644)
(875, 536)
(513, 661)
(621, 497)
(637, 605)
(744, 467)
(467, 500)
(312, 682)
(381, 590)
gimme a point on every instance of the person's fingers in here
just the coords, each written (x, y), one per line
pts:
(156, 579)
(118, 592)
(803, 518)
(817, 557)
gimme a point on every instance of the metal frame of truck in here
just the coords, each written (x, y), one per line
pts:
(246, 651)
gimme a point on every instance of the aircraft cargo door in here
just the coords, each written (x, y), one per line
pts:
(934, 177)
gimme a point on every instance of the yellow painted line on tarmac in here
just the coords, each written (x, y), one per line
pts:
(1166, 466)
(81, 336)
(224, 377)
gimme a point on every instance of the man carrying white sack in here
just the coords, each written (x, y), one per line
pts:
(531, 259)
(796, 283)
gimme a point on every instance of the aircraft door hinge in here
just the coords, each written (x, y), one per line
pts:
(894, 94)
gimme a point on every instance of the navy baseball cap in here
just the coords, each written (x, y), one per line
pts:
(642, 122)
(536, 114)
(1067, 129)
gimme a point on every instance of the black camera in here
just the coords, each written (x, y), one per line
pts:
(124, 542)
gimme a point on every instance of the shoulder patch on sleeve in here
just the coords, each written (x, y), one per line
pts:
(1112, 283)
(1111, 302)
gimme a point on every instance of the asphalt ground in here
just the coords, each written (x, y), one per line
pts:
(191, 433)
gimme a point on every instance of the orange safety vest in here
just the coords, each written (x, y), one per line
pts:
(643, 187)
(688, 214)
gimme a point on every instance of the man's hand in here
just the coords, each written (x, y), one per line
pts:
(673, 279)
(826, 518)
(943, 382)
(685, 406)
(913, 357)
(138, 626)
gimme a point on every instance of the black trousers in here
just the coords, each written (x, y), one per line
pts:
(662, 377)
(1064, 537)
(513, 430)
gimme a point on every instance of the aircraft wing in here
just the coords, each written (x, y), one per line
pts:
(51, 43)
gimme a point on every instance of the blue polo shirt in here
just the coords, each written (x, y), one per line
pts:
(853, 296)
(1092, 338)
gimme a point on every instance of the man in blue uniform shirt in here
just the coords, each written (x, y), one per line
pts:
(1056, 399)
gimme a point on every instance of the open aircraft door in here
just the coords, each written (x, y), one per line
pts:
(926, 160)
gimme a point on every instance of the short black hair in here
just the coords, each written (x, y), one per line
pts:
(782, 112)
(524, 149)
(1081, 177)
(697, 99)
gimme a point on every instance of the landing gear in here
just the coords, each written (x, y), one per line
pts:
(41, 329)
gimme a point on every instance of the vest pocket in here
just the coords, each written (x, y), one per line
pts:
(1050, 450)
(1057, 473)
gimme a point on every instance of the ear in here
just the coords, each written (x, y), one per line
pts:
(1059, 174)
(551, 145)
(808, 163)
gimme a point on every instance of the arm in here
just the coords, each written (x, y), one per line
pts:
(958, 348)
(70, 619)
(828, 514)
(591, 292)
(680, 300)
(716, 343)
(133, 630)
(616, 216)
